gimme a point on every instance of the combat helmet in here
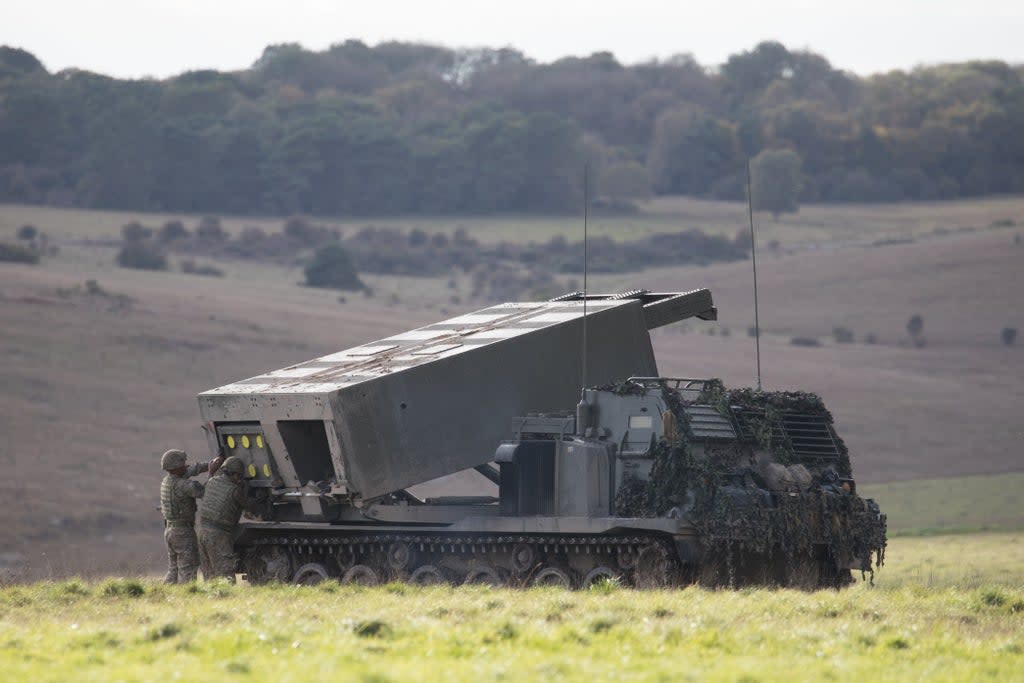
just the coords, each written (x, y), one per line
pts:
(173, 459)
(233, 465)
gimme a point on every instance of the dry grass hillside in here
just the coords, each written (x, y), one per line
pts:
(97, 383)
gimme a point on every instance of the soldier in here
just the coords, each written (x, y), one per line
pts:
(178, 494)
(219, 512)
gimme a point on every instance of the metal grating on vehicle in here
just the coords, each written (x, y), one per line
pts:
(811, 436)
(708, 423)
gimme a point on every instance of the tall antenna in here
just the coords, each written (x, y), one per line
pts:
(586, 212)
(753, 257)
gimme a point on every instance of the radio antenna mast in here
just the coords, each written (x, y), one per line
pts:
(753, 258)
(586, 211)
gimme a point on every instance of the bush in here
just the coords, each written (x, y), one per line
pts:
(804, 341)
(117, 588)
(135, 232)
(141, 255)
(842, 335)
(209, 230)
(15, 253)
(1009, 335)
(172, 231)
(418, 238)
(915, 325)
(299, 229)
(870, 338)
(254, 234)
(192, 268)
(27, 233)
(332, 268)
(915, 328)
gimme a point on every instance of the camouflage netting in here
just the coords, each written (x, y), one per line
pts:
(728, 499)
(762, 411)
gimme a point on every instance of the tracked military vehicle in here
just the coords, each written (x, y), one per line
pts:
(647, 480)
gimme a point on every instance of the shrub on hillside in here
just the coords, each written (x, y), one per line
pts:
(172, 231)
(804, 341)
(915, 328)
(842, 335)
(135, 232)
(502, 282)
(304, 233)
(210, 231)
(141, 255)
(332, 268)
(15, 253)
(1009, 335)
(27, 233)
(192, 268)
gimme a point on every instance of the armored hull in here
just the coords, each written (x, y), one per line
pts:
(648, 481)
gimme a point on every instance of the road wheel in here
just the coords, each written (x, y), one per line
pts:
(524, 557)
(484, 575)
(310, 574)
(599, 574)
(362, 575)
(400, 556)
(552, 577)
(428, 575)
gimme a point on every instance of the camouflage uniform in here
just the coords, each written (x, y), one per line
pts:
(219, 512)
(178, 494)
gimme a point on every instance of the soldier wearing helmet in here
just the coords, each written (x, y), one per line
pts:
(178, 495)
(219, 513)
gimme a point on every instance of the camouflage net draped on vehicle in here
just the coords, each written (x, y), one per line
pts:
(733, 507)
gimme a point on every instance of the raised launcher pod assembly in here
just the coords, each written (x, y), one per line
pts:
(645, 480)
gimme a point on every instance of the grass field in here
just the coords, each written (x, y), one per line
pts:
(813, 224)
(923, 620)
(928, 506)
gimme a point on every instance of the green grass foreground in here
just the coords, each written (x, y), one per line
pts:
(944, 608)
(957, 504)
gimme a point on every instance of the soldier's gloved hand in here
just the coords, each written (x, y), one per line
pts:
(215, 464)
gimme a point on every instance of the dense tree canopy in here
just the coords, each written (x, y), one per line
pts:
(775, 181)
(399, 128)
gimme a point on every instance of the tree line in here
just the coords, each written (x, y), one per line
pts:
(336, 261)
(401, 128)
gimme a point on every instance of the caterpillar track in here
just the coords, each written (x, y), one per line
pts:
(644, 561)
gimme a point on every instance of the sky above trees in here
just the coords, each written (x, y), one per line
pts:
(134, 38)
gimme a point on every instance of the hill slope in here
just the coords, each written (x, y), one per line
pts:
(96, 386)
